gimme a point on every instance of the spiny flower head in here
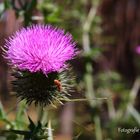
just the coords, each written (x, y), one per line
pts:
(40, 48)
(40, 55)
(42, 90)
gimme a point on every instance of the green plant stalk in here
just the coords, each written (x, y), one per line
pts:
(20, 115)
(98, 131)
(135, 114)
(110, 104)
(111, 108)
(83, 99)
(90, 94)
(40, 113)
(132, 96)
(86, 46)
(45, 116)
(50, 134)
(134, 91)
(3, 116)
(8, 122)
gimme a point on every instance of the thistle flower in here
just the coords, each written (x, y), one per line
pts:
(40, 54)
(137, 49)
(40, 48)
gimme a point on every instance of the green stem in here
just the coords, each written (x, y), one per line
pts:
(40, 113)
(89, 84)
(98, 131)
(8, 122)
(83, 99)
(50, 134)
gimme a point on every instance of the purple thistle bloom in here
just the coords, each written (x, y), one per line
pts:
(138, 49)
(40, 48)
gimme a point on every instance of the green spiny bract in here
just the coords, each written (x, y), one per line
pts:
(40, 88)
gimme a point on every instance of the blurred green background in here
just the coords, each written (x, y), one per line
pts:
(107, 33)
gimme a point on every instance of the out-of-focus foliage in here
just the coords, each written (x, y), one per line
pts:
(94, 119)
(19, 123)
